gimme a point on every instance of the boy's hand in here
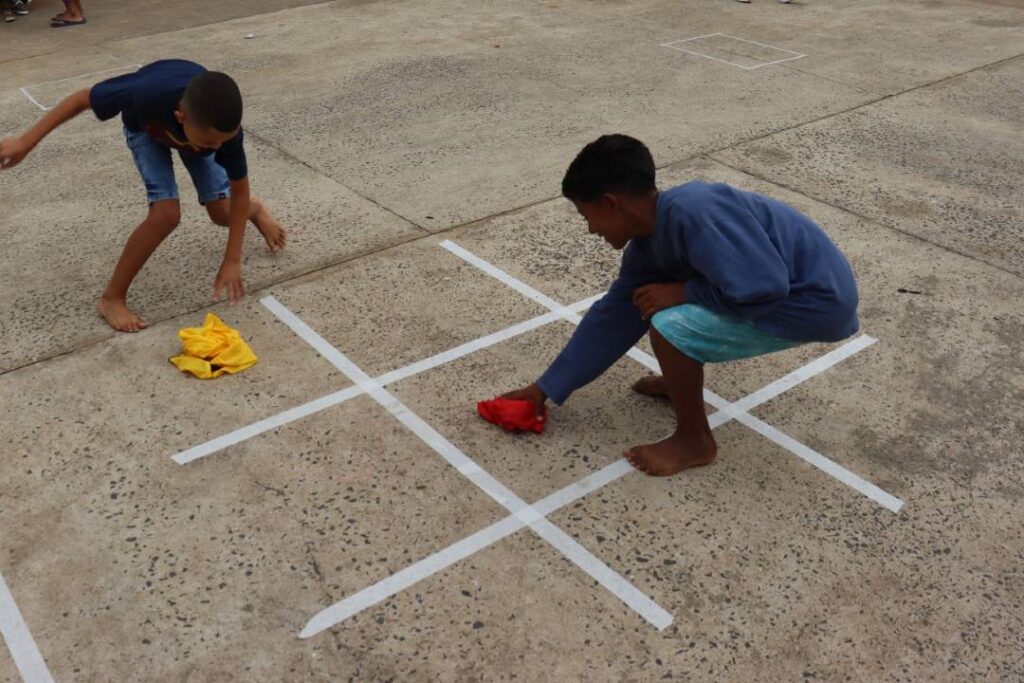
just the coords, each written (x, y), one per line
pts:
(12, 151)
(533, 394)
(229, 278)
(657, 297)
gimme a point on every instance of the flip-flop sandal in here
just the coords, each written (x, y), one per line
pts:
(61, 23)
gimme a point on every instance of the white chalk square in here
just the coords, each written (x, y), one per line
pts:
(746, 54)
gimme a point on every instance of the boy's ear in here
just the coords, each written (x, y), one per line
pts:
(611, 201)
(179, 114)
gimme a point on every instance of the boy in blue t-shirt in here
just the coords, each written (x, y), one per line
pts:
(713, 272)
(170, 104)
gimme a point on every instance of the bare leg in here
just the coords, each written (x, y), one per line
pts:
(692, 444)
(259, 215)
(72, 11)
(162, 219)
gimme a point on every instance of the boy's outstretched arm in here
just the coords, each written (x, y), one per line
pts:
(13, 150)
(608, 330)
(229, 277)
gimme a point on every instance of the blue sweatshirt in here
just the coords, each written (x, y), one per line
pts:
(740, 254)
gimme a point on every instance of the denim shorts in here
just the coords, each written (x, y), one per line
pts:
(153, 160)
(709, 337)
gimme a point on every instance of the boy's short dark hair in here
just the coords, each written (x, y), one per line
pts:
(611, 163)
(212, 100)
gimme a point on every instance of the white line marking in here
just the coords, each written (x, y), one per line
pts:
(25, 92)
(804, 373)
(266, 425)
(34, 101)
(445, 558)
(580, 556)
(382, 590)
(19, 640)
(338, 397)
(726, 409)
(674, 43)
(394, 584)
(809, 455)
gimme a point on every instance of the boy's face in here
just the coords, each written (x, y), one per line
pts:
(608, 218)
(203, 137)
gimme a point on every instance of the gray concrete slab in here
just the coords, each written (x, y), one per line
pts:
(876, 46)
(945, 163)
(32, 35)
(450, 111)
(442, 111)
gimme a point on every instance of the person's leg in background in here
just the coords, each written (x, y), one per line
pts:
(73, 15)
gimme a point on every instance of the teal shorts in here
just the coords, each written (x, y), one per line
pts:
(709, 337)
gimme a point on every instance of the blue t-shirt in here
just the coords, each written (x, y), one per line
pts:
(147, 100)
(741, 254)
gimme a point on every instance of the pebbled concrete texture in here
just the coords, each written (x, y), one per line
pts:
(379, 129)
(891, 162)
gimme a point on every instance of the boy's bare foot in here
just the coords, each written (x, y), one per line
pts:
(653, 386)
(673, 455)
(272, 232)
(119, 316)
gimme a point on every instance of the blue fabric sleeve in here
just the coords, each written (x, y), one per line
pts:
(109, 98)
(608, 330)
(740, 270)
(231, 156)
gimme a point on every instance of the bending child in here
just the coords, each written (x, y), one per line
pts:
(170, 104)
(713, 273)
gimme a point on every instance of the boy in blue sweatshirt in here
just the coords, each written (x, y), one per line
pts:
(711, 272)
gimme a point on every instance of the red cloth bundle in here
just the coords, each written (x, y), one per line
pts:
(514, 415)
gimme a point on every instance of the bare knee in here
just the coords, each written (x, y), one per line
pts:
(218, 211)
(165, 215)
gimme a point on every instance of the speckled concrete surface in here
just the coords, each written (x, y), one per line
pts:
(375, 124)
(945, 162)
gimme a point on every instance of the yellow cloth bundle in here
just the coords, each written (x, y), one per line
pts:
(213, 349)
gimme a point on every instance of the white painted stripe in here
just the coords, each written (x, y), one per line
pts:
(33, 100)
(266, 425)
(19, 640)
(338, 397)
(579, 555)
(485, 342)
(886, 500)
(498, 274)
(603, 574)
(414, 573)
(726, 409)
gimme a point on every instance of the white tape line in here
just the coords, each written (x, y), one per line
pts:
(382, 590)
(19, 640)
(726, 409)
(338, 397)
(270, 423)
(26, 93)
(484, 342)
(571, 493)
(802, 374)
(579, 555)
(414, 573)
(498, 274)
(886, 500)
(33, 100)
(603, 574)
